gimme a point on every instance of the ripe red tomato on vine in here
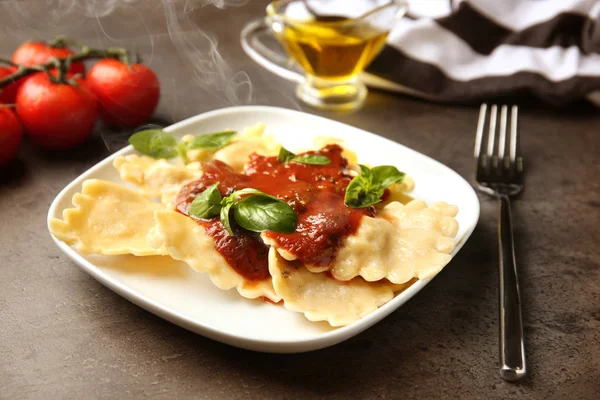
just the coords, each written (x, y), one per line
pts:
(58, 108)
(35, 53)
(56, 116)
(128, 94)
(8, 93)
(11, 135)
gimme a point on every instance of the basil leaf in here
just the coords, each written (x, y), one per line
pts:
(354, 189)
(368, 188)
(312, 159)
(155, 143)
(360, 193)
(141, 140)
(365, 172)
(358, 187)
(207, 204)
(163, 146)
(211, 141)
(285, 155)
(225, 217)
(234, 196)
(385, 176)
(182, 151)
(370, 198)
(241, 192)
(264, 213)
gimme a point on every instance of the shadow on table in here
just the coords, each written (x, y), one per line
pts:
(92, 149)
(449, 329)
(439, 329)
(14, 174)
(32, 157)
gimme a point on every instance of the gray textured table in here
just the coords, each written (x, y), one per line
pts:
(63, 335)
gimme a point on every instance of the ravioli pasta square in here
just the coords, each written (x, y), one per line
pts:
(321, 298)
(156, 178)
(339, 261)
(403, 242)
(236, 154)
(187, 241)
(107, 219)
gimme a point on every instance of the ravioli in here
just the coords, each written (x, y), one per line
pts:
(403, 242)
(156, 178)
(237, 153)
(107, 219)
(398, 192)
(321, 298)
(187, 241)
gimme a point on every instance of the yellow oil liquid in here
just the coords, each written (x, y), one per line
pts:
(335, 52)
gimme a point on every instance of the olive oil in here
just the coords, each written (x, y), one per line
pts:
(327, 48)
(331, 49)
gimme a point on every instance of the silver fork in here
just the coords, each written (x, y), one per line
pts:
(501, 175)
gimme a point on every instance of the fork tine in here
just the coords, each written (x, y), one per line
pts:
(513, 133)
(492, 131)
(502, 139)
(480, 126)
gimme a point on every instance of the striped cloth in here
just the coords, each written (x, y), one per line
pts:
(488, 49)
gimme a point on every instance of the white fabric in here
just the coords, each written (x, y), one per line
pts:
(426, 41)
(429, 8)
(520, 14)
(345, 8)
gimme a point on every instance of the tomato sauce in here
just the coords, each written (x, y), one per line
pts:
(315, 192)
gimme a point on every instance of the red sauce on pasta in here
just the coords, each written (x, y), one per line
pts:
(315, 192)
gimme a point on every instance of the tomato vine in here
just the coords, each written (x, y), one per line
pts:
(63, 64)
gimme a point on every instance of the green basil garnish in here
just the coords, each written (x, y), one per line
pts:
(286, 156)
(224, 215)
(207, 204)
(233, 196)
(386, 175)
(367, 188)
(157, 143)
(211, 141)
(312, 159)
(257, 212)
(265, 213)
(154, 143)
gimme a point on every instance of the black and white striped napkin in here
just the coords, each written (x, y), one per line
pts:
(485, 49)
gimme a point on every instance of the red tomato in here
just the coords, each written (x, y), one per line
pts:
(8, 93)
(127, 95)
(11, 135)
(34, 53)
(56, 116)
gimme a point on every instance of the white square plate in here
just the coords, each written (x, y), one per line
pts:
(174, 292)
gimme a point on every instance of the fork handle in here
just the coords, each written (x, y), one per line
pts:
(512, 348)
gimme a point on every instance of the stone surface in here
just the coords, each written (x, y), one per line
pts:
(63, 335)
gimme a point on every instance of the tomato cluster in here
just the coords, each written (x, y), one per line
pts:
(59, 115)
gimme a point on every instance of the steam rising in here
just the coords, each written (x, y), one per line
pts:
(200, 49)
(102, 8)
(191, 4)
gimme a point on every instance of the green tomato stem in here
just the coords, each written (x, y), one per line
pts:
(62, 41)
(7, 62)
(85, 53)
(59, 42)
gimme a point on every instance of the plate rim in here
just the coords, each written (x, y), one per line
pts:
(323, 340)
